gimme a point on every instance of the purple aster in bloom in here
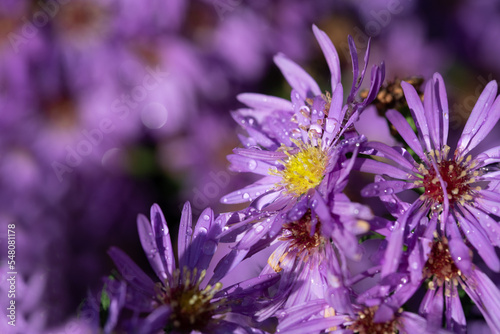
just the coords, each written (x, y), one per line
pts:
(182, 301)
(459, 198)
(458, 190)
(299, 146)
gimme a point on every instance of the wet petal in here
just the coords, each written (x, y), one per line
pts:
(260, 101)
(477, 116)
(185, 233)
(331, 56)
(417, 109)
(299, 79)
(162, 238)
(405, 130)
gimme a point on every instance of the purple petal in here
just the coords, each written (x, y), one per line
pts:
(388, 152)
(480, 243)
(415, 105)
(485, 294)
(203, 246)
(477, 117)
(260, 101)
(185, 233)
(442, 105)
(247, 194)
(162, 238)
(253, 153)
(148, 242)
(335, 115)
(299, 79)
(244, 164)
(394, 249)
(455, 314)
(490, 226)
(490, 156)
(405, 130)
(131, 272)
(332, 58)
(156, 320)
(460, 254)
(386, 188)
(381, 168)
(432, 307)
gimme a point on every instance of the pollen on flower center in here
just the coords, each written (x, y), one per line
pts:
(298, 233)
(457, 176)
(364, 324)
(192, 308)
(440, 264)
(300, 241)
(303, 170)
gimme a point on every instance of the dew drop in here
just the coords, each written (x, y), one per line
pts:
(246, 196)
(252, 164)
(259, 228)
(206, 217)
(389, 191)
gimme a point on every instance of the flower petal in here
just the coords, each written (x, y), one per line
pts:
(260, 101)
(417, 109)
(299, 79)
(477, 117)
(331, 55)
(405, 130)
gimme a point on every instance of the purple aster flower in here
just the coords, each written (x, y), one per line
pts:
(459, 190)
(459, 197)
(299, 146)
(183, 301)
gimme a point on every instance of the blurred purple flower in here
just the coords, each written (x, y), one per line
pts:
(183, 301)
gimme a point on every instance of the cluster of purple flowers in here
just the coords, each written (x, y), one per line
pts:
(315, 261)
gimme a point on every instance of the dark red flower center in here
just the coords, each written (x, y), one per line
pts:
(440, 264)
(457, 177)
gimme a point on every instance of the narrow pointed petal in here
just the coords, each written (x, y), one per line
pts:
(381, 168)
(299, 79)
(185, 233)
(417, 109)
(477, 116)
(162, 238)
(203, 247)
(245, 164)
(331, 55)
(260, 101)
(405, 130)
(246, 194)
(148, 242)
(481, 243)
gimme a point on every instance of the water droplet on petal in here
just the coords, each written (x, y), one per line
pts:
(259, 228)
(206, 217)
(252, 164)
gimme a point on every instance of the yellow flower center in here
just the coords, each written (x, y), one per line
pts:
(304, 169)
